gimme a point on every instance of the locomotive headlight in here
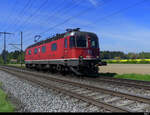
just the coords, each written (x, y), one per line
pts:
(97, 57)
(80, 58)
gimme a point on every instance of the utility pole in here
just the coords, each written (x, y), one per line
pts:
(21, 47)
(5, 33)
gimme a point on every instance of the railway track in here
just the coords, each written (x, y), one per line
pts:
(102, 98)
(125, 82)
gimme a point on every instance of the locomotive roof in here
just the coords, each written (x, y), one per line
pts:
(57, 37)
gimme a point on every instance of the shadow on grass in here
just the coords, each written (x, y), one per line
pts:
(107, 74)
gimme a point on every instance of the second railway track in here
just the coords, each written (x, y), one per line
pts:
(125, 82)
(100, 97)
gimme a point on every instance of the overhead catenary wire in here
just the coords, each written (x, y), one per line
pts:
(20, 14)
(122, 10)
(114, 13)
(35, 12)
(62, 9)
(54, 10)
(10, 14)
(67, 20)
(28, 5)
(85, 11)
(17, 20)
(24, 14)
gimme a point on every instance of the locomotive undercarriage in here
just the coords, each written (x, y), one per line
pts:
(86, 67)
(78, 67)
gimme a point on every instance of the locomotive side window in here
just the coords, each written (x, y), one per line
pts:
(94, 41)
(43, 49)
(35, 51)
(54, 47)
(72, 42)
(66, 45)
(94, 44)
(29, 52)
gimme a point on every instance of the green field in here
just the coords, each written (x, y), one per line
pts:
(16, 65)
(140, 77)
(134, 77)
(5, 106)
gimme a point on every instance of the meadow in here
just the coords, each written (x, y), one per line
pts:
(140, 77)
(5, 105)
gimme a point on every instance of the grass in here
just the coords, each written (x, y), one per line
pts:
(127, 76)
(16, 65)
(5, 106)
(134, 77)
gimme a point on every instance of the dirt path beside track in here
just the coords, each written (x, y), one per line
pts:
(126, 68)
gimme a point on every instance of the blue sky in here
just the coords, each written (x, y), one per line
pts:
(121, 25)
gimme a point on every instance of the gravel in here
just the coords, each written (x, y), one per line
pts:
(110, 86)
(29, 97)
(120, 88)
(34, 98)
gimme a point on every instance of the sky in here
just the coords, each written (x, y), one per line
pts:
(121, 25)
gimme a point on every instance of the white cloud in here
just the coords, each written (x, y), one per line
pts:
(94, 2)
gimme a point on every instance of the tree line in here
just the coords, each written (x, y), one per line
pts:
(15, 56)
(12, 57)
(122, 55)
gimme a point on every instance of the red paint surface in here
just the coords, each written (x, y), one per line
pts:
(61, 52)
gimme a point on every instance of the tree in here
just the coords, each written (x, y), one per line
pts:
(144, 55)
(1, 60)
(133, 56)
(16, 55)
(112, 54)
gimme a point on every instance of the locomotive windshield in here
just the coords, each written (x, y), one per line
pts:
(81, 41)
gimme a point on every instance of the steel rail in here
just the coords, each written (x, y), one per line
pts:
(124, 82)
(129, 82)
(116, 93)
(70, 93)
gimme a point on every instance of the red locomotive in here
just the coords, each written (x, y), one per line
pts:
(74, 51)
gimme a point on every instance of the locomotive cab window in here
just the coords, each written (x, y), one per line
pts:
(81, 41)
(66, 45)
(29, 52)
(94, 44)
(54, 47)
(43, 49)
(72, 42)
(94, 41)
(35, 51)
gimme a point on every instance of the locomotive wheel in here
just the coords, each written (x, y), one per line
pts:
(37, 67)
(27, 66)
(59, 68)
(53, 69)
(63, 70)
